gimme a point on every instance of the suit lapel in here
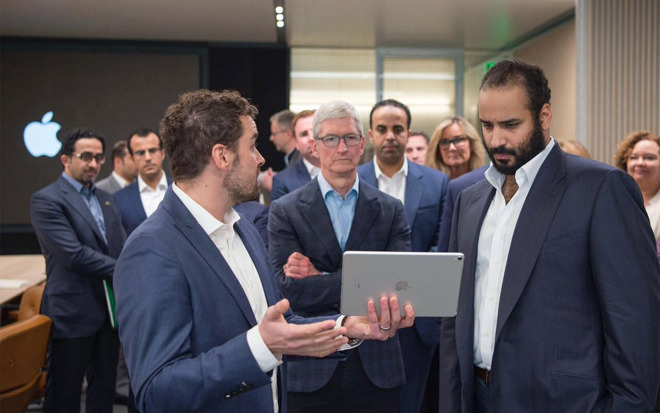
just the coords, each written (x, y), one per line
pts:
(136, 203)
(265, 273)
(535, 219)
(472, 214)
(366, 212)
(75, 200)
(200, 241)
(313, 209)
(414, 190)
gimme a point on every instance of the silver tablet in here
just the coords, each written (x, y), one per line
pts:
(430, 281)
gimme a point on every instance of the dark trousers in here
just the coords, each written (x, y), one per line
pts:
(481, 395)
(349, 390)
(417, 360)
(70, 359)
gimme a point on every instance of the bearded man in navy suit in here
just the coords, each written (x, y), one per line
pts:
(202, 324)
(560, 293)
(80, 234)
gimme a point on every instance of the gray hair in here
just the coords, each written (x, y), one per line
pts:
(335, 109)
(284, 119)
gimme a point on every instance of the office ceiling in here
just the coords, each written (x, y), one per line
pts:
(479, 25)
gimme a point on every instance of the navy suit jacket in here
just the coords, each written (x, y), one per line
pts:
(455, 187)
(300, 222)
(257, 214)
(130, 206)
(78, 259)
(577, 323)
(289, 180)
(183, 317)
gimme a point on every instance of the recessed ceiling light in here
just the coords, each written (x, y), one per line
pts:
(280, 23)
(279, 9)
(279, 17)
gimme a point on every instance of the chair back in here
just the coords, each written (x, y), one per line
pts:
(23, 347)
(31, 302)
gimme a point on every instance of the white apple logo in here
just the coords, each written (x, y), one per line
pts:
(41, 137)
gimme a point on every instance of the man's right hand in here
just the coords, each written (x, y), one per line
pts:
(312, 340)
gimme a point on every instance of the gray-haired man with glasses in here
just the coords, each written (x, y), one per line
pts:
(309, 229)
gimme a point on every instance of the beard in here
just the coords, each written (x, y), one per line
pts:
(240, 187)
(534, 145)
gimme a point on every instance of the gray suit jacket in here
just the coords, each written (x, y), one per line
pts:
(108, 184)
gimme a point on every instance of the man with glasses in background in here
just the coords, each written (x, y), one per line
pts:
(80, 234)
(309, 229)
(141, 198)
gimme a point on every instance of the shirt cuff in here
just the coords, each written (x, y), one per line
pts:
(267, 361)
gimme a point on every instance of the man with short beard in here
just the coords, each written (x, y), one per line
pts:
(202, 324)
(561, 288)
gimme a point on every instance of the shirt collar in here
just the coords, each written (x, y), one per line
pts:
(162, 184)
(325, 187)
(121, 181)
(526, 174)
(207, 221)
(312, 170)
(380, 173)
(77, 185)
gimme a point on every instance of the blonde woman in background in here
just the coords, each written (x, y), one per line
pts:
(574, 147)
(455, 148)
(639, 155)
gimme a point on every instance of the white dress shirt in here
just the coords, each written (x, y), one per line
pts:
(396, 185)
(311, 169)
(121, 181)
(151, 198)
(493, 253)
(233, 250)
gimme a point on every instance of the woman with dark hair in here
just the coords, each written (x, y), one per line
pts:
(455, 148)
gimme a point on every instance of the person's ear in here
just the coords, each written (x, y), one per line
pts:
(221, 157)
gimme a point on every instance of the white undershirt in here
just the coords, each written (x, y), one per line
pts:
(493, 253)
(121, 181)
(151, 198)
(396, 185)
(233, 250)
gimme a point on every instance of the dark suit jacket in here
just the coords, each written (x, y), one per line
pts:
(183, 317)
(289, 180)
(577, 321)
(455, 187)
(78, 259)
(130, 206)
(108, 184)
(294, 158)
(300, 222)
(257, 214)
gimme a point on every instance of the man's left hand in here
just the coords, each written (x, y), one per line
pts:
(373, 328)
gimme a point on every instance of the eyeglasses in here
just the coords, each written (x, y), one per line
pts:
(142, 152)
(331, 141)
(458, 142)
(88, 156)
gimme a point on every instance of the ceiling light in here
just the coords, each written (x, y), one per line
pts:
(280, 23)
(279, 17)
(279, 9)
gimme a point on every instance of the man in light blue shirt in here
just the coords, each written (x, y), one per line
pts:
(309, 229)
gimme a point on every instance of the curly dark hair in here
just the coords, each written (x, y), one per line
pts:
(512, 72)
(71, 137)
(198, 121)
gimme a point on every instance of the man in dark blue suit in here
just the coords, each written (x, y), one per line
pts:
(202, 323)
(561, 288)
(299, 174)
(422, 191)
(80, 234)
(308, 230)
(141, 198)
